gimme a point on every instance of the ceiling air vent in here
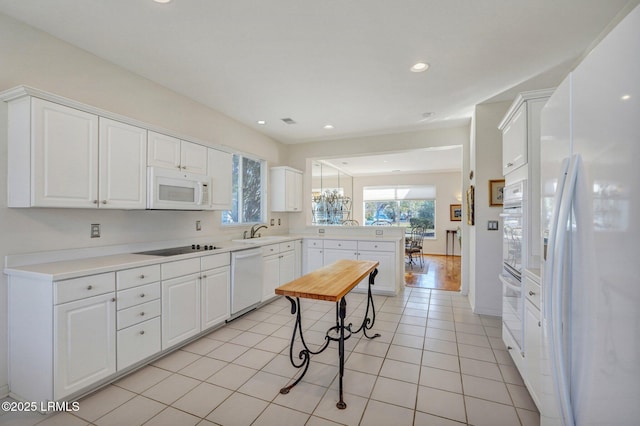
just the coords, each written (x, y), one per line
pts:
(288, 120)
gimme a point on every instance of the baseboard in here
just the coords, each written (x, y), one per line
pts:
(4, 391)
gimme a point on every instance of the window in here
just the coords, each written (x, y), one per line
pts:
(247, 204)
(401, 206)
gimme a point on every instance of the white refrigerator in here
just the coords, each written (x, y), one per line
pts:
(590, 220)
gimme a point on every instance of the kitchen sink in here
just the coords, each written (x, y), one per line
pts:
(260, 240)
(175, 251)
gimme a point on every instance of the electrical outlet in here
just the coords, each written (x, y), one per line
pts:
(279, 222)
(95, 230)
(198, 225)
(321, 231)
(492, 225)
(379, 232)
(272, 222)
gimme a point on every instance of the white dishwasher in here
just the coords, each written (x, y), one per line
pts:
(246, 280)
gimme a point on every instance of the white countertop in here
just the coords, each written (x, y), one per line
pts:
(77, 267)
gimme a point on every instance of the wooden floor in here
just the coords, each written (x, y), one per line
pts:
(438, 272)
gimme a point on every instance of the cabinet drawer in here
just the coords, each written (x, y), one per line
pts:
(138, 295)
(179, 268)
(137, 276)
(340, 244)
(270, 249)
(135, 314)
(287, 246)
(376, 245)
(138, 342)
(215, 261)
(314, 243)
(532, 291)
(79, 288)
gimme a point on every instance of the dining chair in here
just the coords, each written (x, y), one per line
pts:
(413, 246)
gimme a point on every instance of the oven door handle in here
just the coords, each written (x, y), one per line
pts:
(509, 285)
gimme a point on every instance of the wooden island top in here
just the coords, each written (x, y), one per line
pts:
(331, 282)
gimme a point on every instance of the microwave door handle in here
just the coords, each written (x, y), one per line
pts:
(200, 193)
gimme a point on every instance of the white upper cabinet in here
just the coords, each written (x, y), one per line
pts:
(123, 175)
(173, 153)
(514, 141)
(220, 171)
(65, 157)
(286, 189)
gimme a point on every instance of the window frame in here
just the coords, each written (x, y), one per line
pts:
(263, 192)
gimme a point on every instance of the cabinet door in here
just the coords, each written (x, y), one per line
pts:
(514, 141)
(84, 343)
(123, 171)
(270, 275)
(219, 165)
(180, 309)
(216, 300)
(65, 155)
(532, 348)
(386, 278)
(331, 255)
(287, 266)
(314, 259)
(293, 190)
(163, 151)
(193, 158)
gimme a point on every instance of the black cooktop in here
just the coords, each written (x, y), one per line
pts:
(174, 251)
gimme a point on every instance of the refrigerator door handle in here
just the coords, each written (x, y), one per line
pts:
(562, 233)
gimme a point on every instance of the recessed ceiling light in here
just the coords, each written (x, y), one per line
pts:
(419, 67)
(261, 122)
(162, 1)
(625, 97)
(328, 126)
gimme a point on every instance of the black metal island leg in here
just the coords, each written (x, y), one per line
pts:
(340, 333)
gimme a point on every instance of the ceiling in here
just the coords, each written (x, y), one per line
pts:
(343, 62)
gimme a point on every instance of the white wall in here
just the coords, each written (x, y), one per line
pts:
(36, 59)
(485, 246)
(448, 189)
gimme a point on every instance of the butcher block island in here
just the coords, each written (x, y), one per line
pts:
(330, 283)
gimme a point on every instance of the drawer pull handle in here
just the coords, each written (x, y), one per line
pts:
(142, 277)
(89, 287)
(142, 295)
(142, 313)
(141, 332)
(531, 293)
(509, 348)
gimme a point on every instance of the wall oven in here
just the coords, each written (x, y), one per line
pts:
(514, 225)
(177, 190)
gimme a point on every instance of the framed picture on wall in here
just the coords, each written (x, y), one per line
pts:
(455, 212)
(496, 190)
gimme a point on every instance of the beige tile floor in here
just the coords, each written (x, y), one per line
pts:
(436, 363)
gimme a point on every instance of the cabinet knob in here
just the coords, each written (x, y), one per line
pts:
(104, 201)
(113, 299)
(141, 332)
(184, 167)
(509, 164)
(179, 167)
(539, 324)
(95, 201)
(142, 313)
(142, 277)
(89, 287)
(141, 294)
(204, 276)
(509, 348)
(531, 293)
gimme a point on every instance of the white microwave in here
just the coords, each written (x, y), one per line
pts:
(177, 190)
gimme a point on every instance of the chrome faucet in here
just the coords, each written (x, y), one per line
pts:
(254, 229)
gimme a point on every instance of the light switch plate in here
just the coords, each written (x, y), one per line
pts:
(198, 225)
(492, 225)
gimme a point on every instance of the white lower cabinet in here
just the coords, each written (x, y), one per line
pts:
(532, 337)
(279, 266)
(320, 253)
(216, 286)
(180, 309)
(84, 343)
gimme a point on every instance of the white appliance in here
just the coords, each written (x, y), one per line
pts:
(177, 190)
(590, 182)
(514, 243)
(246, 280)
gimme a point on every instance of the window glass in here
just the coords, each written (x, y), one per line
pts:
(248, 189)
